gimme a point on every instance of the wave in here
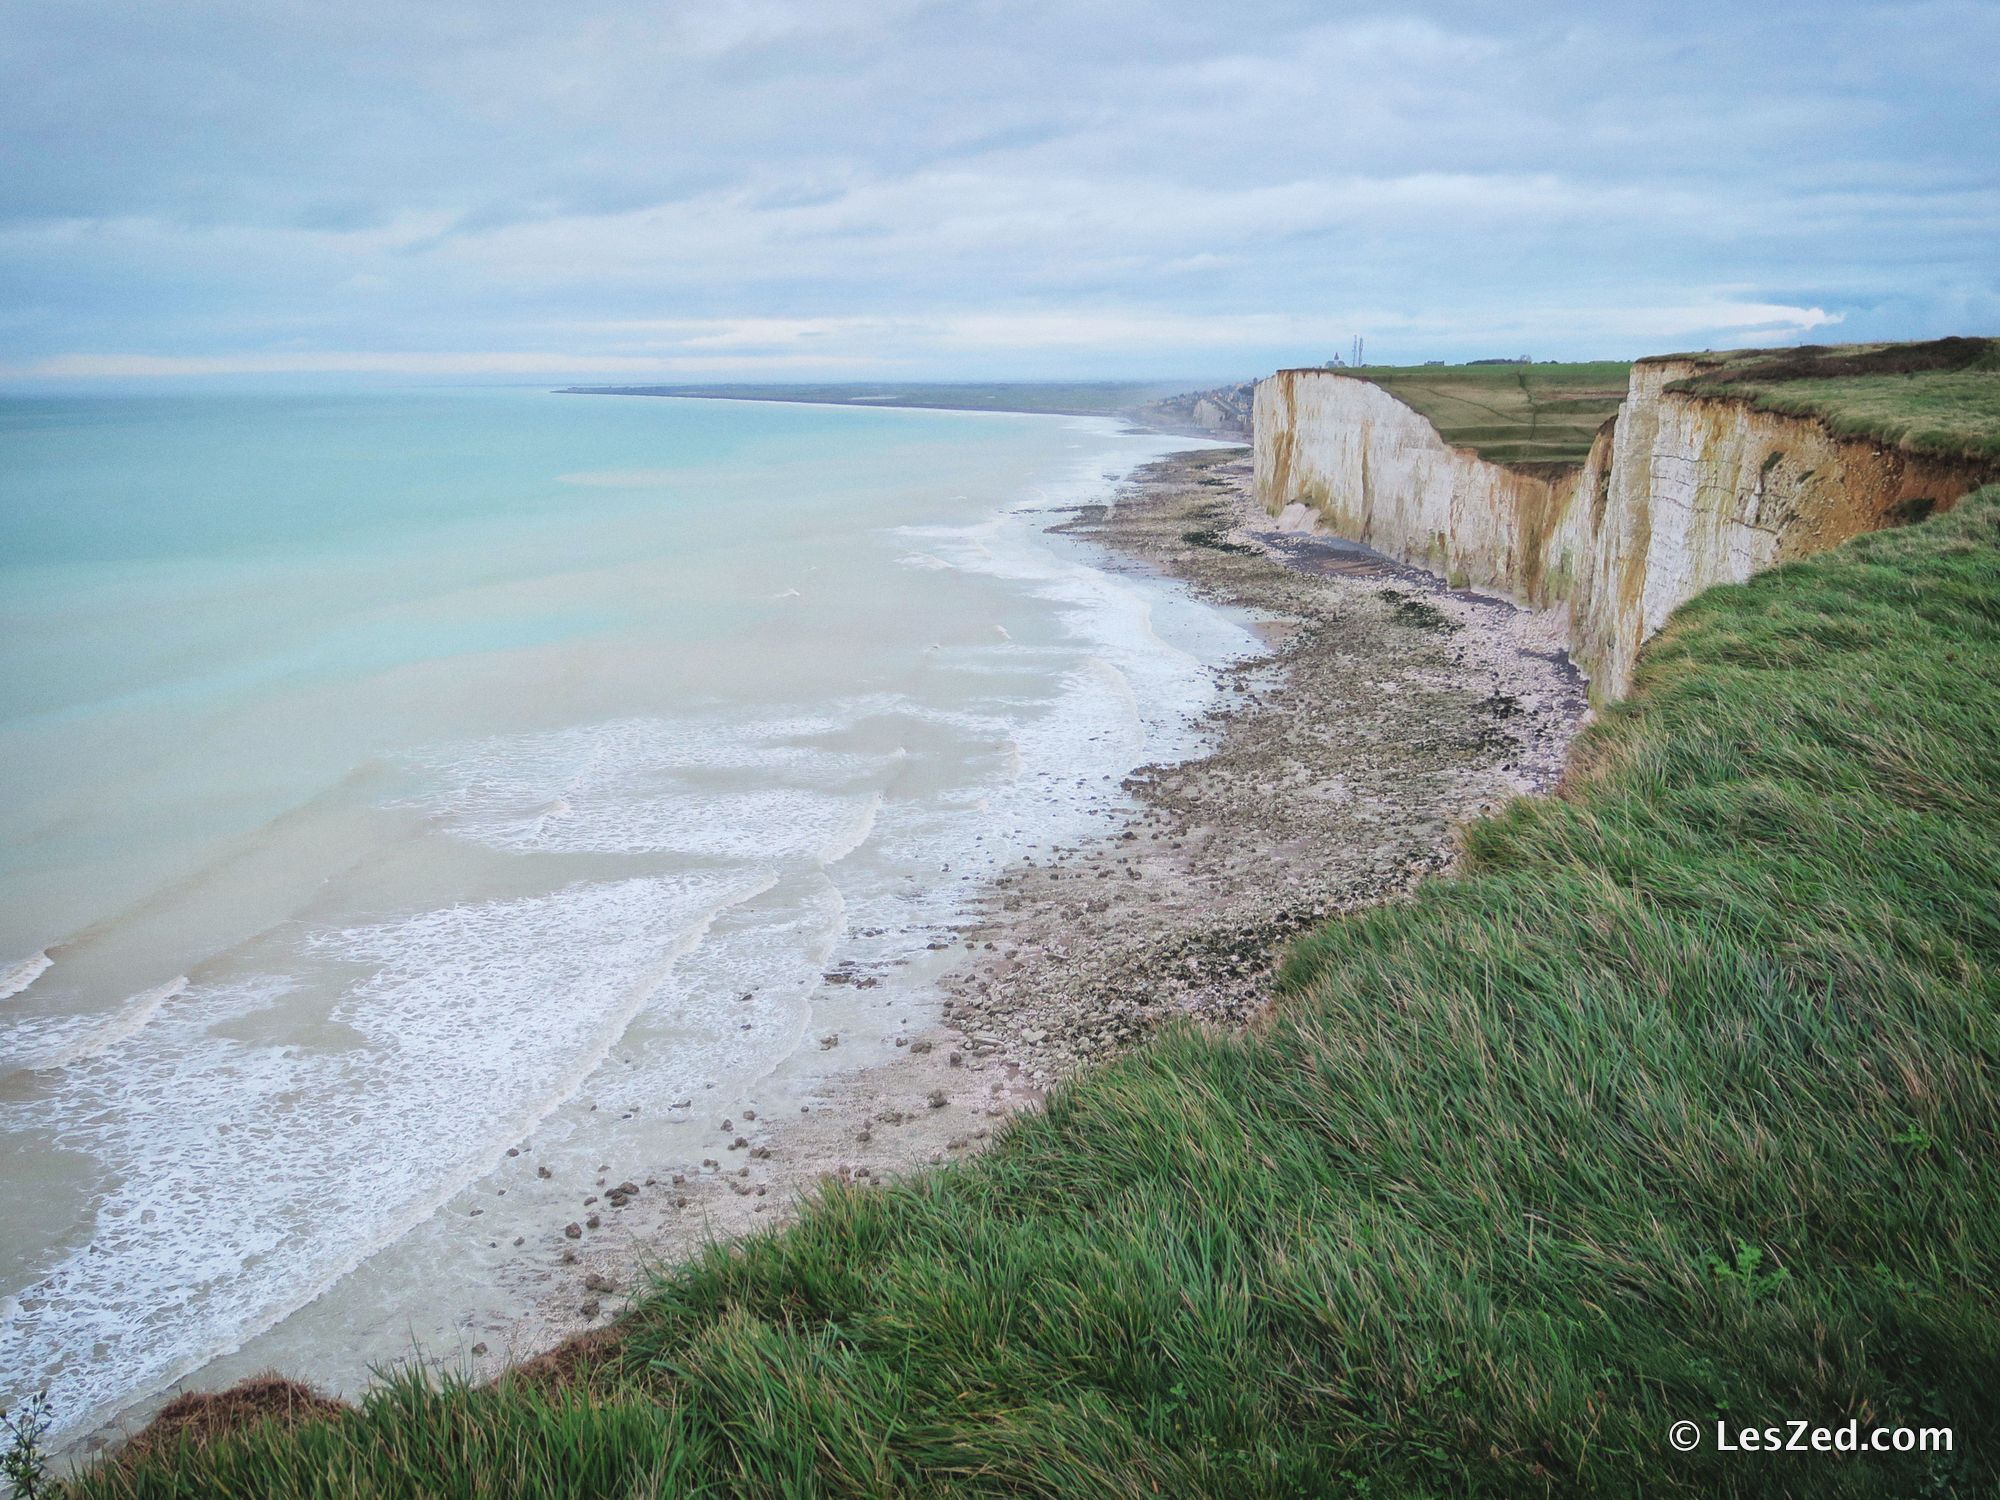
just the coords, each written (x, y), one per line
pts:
(124, 1023)
(17, 977)
(251, 1172)
(657, 786)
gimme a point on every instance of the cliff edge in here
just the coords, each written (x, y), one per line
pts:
(1684, 487)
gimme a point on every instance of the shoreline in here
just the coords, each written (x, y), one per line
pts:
(1136, 418)
(1433, 724)
(1433, 705)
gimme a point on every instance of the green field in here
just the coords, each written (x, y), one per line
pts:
(1678, 1102)
(1940, 398)
(1511, 413)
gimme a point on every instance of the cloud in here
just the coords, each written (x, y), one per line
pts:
(965, 189)
(376, 362)
(833, 345)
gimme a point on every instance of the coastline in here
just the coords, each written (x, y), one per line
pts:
(1387, 711)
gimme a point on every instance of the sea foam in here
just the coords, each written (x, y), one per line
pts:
(253, 1172)
(17, 977)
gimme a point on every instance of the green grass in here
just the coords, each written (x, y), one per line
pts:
(1511, 414)
(1679, 1101)
(1940, 398)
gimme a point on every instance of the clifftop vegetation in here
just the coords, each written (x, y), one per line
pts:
(1941, 398)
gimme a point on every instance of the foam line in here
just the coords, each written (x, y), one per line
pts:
(250, 1175)
(17, 977)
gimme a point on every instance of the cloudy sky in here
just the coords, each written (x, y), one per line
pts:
(794, 189)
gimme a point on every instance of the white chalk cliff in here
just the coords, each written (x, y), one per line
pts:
(1679, 492)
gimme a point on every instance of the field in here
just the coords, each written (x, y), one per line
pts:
(1510, 414)
(1940, 398)
(1677, 1103)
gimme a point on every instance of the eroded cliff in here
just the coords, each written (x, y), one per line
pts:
(1679, 492)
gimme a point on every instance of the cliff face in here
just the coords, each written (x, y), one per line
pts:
(1223, 412)
(1679, 492)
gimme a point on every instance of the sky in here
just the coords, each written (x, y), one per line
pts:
(440, 190)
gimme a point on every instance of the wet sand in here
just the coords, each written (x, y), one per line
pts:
(1389, 711)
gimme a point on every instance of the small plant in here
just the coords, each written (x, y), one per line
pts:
(24, 1465)
(1745, 1271)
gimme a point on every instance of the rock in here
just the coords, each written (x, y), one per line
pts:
(573, 1230)
(595, 1282)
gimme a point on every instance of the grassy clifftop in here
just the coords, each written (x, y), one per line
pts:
(1940, 398)
(1510, 413)
(1678, 1103)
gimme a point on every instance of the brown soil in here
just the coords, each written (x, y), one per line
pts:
(200, 1417)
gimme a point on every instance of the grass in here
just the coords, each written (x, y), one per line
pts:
(1940, 398)
(1510, 414)
(1678, 1102)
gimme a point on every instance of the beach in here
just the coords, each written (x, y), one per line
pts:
(1385, 712)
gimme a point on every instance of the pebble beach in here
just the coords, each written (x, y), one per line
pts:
(1387, 711)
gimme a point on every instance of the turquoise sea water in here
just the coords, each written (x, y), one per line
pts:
(391, 778)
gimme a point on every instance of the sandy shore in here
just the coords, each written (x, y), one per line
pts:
(1388, 712)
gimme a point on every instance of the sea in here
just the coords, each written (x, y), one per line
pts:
(393, 780)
